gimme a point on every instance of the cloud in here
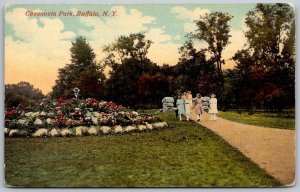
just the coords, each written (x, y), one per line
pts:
(164, 53)
(185, 14)
(177, 37)
(162, 43)
(188, 16)
(237, 41)
(39, 46)
(42, 47)
(158, 35)
(105, 31)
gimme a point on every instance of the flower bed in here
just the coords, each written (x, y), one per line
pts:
(71, 117)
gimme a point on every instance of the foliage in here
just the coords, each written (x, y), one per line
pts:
(263, 77)
(22, 92)
(213, 28)
(82, 72)
(193, 72)
(188, 155)
(265, 71)
(153, 88)
(71, 112)
(127, 59)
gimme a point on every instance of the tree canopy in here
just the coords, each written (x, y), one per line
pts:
(21, 93)
(82, 72)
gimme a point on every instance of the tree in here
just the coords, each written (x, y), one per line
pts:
(271, 41)
(193, 72)
(21, 93)
(82, 72)
(154, 87)
(127, 59)
(269, 25)
(214, 29)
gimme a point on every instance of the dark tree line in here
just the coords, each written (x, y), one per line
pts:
(264, 75)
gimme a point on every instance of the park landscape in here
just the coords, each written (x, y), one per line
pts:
(100, 123)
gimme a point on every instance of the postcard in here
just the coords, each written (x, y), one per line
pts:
(149, 95)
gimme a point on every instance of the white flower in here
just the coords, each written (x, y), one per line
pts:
(164, 124)
(66, 132)
(96, 114)
(95, 120)
(78, 131)
(42, 113)
(134, 113)
(142, 127)
(38, 122)
(22, 121)
(40, 132)
(35, 114)
(6, 130)
(54, 132)
(50, 114)
(92, 131)
(158, 125)
(129, 128)
(149, 126)
(28, 114)
(118, 129)
(13, 132)
(105, 129)
(48, 120)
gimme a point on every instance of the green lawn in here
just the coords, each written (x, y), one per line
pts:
(284, 120)
(186, 154)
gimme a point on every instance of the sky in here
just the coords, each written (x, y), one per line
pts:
(37, 46)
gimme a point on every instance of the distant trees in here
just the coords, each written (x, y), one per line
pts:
(266, 68)
(22, 92)
(83, 72)
(213, 28)
(193, 72)
(127, 59)
(264, 75)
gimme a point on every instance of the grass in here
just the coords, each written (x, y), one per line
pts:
(265, 119)
(183, 155)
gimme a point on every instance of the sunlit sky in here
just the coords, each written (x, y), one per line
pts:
(36, 47)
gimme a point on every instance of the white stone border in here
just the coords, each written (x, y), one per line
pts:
(92, 130)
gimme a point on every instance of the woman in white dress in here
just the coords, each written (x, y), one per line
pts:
(213, 107)
(187, 106)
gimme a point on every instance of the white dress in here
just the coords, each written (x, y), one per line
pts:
(213, 102)
(187, 107)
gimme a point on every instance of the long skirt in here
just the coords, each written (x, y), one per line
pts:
(199, 109)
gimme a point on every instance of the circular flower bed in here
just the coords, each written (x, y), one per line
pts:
(71, 117)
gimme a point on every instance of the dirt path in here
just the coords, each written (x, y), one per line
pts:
(272, 149)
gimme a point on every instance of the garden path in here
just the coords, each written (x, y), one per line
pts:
(271, 149)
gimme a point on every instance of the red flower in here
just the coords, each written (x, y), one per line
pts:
(9, 112)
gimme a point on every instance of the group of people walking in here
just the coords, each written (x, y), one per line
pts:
(185, 101)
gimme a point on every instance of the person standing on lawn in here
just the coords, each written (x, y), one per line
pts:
(213, 107)
(198, 106)
(175, 101)
(190, 98)
(187, 106)
(180, 106)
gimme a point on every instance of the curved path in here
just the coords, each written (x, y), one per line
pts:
(271, 149)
